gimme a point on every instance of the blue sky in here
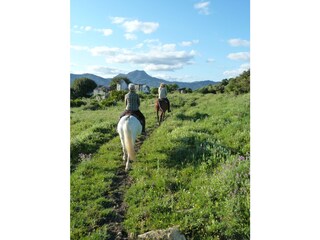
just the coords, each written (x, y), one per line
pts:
(181, 40)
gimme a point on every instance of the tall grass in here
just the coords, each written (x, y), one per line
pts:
(191, 172)
(95, 159)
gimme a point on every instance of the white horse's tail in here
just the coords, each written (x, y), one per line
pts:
(129, 144)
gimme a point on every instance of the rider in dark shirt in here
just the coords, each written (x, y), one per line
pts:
(132, 102)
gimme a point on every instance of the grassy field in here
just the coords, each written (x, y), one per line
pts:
(192, 172)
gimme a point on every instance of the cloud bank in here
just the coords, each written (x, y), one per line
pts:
(151, 55)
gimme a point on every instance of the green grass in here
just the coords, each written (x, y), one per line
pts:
(91, 204)
(191, 172)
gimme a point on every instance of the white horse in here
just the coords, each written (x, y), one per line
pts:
(129, 127)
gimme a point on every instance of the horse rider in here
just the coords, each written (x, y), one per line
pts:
(163, 94)
(132, 102)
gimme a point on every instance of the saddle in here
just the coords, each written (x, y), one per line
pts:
(133, 113)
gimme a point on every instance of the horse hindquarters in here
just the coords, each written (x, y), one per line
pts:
(129, 128)
(129, 141)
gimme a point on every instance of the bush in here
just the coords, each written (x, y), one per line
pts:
(77, 103)
(92, 105)
(117, 95)
(82, 87)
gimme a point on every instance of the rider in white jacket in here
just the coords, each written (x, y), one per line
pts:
(163, 94)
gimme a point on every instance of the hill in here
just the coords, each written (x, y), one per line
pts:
(98, 80)
(141, 77)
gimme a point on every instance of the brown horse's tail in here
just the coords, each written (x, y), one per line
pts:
(158, 106)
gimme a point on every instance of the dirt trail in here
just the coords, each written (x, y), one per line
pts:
(120, 183)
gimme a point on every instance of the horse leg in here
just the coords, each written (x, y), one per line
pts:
(158, 116)
(127, 164)
(124, 156)
(162, 117)
(129, 157)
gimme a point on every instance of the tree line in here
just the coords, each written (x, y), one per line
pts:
(237, 85)
(83, 87)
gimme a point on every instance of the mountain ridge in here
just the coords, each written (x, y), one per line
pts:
(141, 77)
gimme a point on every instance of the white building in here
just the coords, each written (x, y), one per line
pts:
(100, 93)
(122, 85)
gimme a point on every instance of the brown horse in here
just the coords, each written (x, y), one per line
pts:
(162, 106)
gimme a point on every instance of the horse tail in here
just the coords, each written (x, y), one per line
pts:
(128, 141)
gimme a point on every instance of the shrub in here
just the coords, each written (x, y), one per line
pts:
(77, 102)
(82, 87)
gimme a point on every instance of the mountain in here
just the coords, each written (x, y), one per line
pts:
(141, 77)
(98, 80)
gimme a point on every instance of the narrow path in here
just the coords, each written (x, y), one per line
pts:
(120, 183)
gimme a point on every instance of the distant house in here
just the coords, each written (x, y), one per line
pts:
(100, 93)
(142, 88)
(122, 85)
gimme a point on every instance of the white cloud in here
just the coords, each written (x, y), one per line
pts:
(117, 20)
(163, 67)
(237, 72)
(105, 71)
(82, 29)
(131, 26)
(130, 36)
(145, 27)
(107, 31)
(152, 41)
(236, 42)
(210, 60)
(239, 56)
(202, 7)
(140, 45)
(188, 43)
(102, 50)
(85, 28)
(156, 58)
(180, 78)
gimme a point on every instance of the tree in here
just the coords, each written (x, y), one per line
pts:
(154, 90)
(188, 90)
(82, 87)
(224, 82)
(240, 84)
(172, 87)
(72, 94)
